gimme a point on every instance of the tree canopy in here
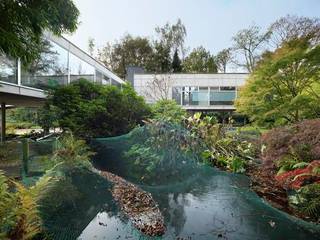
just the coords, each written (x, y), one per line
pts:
(292, 27)
(249, 43)
(23, 23)
(136, 51)
(285, 86)
(223, 58)
(199, 61)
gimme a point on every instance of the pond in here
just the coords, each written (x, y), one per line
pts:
(213, 205)
(204, 204)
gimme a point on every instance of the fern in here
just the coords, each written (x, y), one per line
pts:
(19, 214)
(309, 200)
(72, 152)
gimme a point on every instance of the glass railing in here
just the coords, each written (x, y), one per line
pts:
(8, 70)
(222, 98)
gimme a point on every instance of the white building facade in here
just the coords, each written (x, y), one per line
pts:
(203, 92)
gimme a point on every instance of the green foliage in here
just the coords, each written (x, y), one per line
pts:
(129, 51)
(176, 63)
(47, 117)
(223, 58)
(161, 149)
(284, 87)
(71, 152)
(200, 61)
(168, 111)
(223, 149)
(307, 200)
(143, 156)
(10, 154)
(92, 110)
(22, 25)
(19, 214)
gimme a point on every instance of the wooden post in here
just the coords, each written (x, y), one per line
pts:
(3, 122)
(25, 157)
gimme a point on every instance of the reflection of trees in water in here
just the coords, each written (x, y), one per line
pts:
(176, 211)
(73, 202)
(175, 197)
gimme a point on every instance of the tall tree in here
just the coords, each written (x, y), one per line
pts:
(250, 44)
(223, 58)
(173, 36)
(293, 27)
(285, 86)
(23, 23)
(176, 63)
(91, 46)
(161, 59)
(128, 51)
(199, 61)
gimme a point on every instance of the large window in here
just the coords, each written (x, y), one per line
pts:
(204, 96)
(8, 69)
(222, 95)
(55, 66)
(80, 69)
(49, 70)
(176, 94)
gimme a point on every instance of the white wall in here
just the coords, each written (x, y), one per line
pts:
(141, 82)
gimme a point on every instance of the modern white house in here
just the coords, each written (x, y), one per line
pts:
(61, 63)
(194, 92)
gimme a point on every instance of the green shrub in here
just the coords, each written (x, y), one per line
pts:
(93, 110)
(71, 152)
(307, 200)
(223, 149)
(168, 111)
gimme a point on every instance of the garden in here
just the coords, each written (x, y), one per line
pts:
(123, 169)
(107, 165)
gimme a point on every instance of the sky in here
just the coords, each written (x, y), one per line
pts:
(209, 23)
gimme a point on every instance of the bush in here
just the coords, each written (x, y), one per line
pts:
(223, 149)
(307, 201)
(168, 111)
(299, 141)
(92, 110)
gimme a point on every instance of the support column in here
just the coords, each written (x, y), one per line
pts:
(3, 122)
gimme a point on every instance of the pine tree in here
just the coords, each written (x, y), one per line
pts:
(176, 63)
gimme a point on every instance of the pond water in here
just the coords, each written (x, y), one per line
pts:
(213, 205)
(204, 204)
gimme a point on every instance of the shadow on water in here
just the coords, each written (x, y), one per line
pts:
(204, 204)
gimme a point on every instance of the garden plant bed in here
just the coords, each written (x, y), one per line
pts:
(264, 184)
(137, 204)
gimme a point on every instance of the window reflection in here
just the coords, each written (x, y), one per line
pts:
(8, 69)
(49, 70)
(55, 66)
(204, 96)
(80, 69)
(176, 94)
